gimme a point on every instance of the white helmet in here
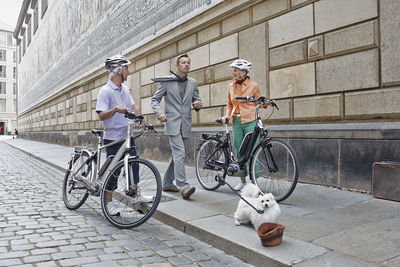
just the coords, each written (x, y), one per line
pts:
(241, 64)
(116, 61)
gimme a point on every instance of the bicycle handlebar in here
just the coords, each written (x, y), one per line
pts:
(260, 101)
(139, 119)
(222, 122)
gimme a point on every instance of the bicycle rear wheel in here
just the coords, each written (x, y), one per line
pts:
(75, 192)
(125, 207)
(206, 157)
(274, 168)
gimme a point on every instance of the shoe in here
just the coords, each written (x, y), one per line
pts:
(142, 199)
(113, 208)
(186, 193)
(239, 186)
(171, 188)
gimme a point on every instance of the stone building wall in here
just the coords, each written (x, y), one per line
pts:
(331, 62)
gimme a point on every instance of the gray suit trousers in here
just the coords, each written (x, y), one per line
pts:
(176, 167)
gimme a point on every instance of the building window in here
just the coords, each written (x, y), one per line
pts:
(14, 56)
(35, 17)
(29, 33)
(24, 45)
(20, 54)
(2, 55)
(45, 3)
(14, 73)
(3, 88)
(3, 105)
(14, 105)
(3, 39)
(14, 89)
(3, 72)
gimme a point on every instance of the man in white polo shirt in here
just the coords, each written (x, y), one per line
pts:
(113, 101)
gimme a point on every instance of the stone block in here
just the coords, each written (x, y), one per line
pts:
(318, 159)
(292, 26)
(282, 114)
(390, 40)
(300, 3)
(385, 180)
(332, 14)
(224, 49)
(357, 158)
(209, 75)
(145, 91)
(168, 51)
(219, 93)
(354, 71)
(204, 92)
(198, 75)
(373, 102)
(222, 71)
(153, 57)
(268, 9)
(236, 22)
(146, 106)
(162, 69)
(255, 52)
(208, 33)
(199, 57)
(353, 38)
(186, 43)
(146, 75)
(326, 106)
(293, 81)
(140, 63)
(135, 88)
(288, 54)
(209, 115)
(315, 48)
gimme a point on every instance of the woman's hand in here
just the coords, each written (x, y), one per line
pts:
(225, 119)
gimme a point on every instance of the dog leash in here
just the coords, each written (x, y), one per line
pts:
(222, 180)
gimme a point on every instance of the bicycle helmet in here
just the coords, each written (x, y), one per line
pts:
(116, 61)
(241, 64)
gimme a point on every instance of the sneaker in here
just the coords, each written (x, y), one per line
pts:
(171, 188)
(186, 193)
(142, 199)
(239, 186)
(113, 208)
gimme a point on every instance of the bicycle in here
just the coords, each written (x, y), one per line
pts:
(84, 176)
(273, 162)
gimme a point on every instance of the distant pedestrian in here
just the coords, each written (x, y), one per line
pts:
(15, 135)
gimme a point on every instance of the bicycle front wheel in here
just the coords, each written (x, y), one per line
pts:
(74, 191)
(127, 206)
(274, 168)
(207, 159)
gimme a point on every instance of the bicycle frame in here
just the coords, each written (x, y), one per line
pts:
(95, 158)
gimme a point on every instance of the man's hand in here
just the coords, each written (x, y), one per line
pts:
(121, 109)
(197, 105)
(162, 118)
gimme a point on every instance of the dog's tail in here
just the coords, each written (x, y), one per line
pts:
(250, 190)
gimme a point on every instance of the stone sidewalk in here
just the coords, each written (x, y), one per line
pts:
(323, 226)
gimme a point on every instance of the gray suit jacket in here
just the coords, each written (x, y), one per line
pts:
(177, 110)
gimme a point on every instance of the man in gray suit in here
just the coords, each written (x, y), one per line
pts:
(180, 93)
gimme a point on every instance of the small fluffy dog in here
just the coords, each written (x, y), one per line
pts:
(245, 214)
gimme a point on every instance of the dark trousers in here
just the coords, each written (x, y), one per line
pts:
(112, 150)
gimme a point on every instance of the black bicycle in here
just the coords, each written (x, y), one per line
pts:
(273, 165)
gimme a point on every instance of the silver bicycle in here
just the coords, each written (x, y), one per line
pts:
(129, 186)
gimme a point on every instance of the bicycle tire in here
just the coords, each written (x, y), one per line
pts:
(209, 183)
(122, 198)
(288, 170)
(75, 162)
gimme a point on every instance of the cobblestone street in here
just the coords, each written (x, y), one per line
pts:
(37, 230)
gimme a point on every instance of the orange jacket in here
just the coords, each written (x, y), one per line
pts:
(247, 110)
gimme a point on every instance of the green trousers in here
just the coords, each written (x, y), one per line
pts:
(239, 131)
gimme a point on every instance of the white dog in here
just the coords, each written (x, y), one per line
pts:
(245, 214)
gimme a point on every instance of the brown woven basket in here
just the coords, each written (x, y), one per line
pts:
(270, 234)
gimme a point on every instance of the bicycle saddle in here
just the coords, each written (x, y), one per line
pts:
(97, 132)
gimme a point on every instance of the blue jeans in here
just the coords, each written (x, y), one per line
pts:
(111, 151)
